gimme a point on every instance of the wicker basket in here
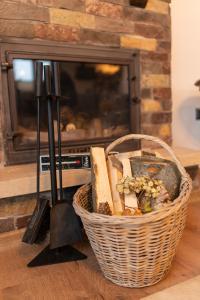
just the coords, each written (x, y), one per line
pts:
(135, 251)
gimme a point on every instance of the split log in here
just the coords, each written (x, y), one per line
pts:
(115, 174)
(101, 191)
(130, 200)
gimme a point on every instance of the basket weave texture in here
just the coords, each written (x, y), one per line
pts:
(135, 251)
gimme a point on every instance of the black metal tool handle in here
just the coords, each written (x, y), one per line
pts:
(47, 77)
(56, 79)
(57, 91)
(38, 80)
(38, 95)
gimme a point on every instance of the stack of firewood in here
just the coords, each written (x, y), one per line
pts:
(118, 191)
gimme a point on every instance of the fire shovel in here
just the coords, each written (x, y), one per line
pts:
(64, 224)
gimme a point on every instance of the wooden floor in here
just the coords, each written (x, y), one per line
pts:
(84, 280)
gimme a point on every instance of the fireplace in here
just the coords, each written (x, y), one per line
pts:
(86, 32)
(100, 96)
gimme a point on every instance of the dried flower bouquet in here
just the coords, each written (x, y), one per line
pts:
(151, 193)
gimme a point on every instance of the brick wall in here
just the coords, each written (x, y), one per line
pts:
(108, 23)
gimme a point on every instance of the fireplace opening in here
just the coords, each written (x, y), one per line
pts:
(94, 103)
(100, 96)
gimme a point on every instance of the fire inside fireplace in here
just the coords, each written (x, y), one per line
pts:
(99, 100)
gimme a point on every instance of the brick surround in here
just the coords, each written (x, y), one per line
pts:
(108, 23)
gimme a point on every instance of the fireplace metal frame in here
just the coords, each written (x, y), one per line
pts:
(11, 48)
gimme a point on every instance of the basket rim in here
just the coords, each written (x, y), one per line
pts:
(173, 207)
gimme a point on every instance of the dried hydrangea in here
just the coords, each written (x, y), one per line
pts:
(151, 192)
(123, 186)
(152, 187)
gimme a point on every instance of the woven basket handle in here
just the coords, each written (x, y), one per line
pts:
(148, 138)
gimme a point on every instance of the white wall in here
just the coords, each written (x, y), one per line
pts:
(185, 71)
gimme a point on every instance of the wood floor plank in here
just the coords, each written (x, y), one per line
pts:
(189, 289)
(84, 280)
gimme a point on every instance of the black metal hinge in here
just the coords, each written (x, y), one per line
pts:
(11, 135)
(136, 100)
(6, 65)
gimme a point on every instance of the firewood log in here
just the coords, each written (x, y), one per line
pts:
(115, 174)
(101, 191)
(130, 199)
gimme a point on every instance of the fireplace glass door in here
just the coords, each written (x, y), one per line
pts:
(94, 103)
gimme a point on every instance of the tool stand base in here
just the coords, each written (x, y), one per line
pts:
(55, 256)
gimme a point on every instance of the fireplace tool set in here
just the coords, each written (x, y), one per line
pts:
(56, 214)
